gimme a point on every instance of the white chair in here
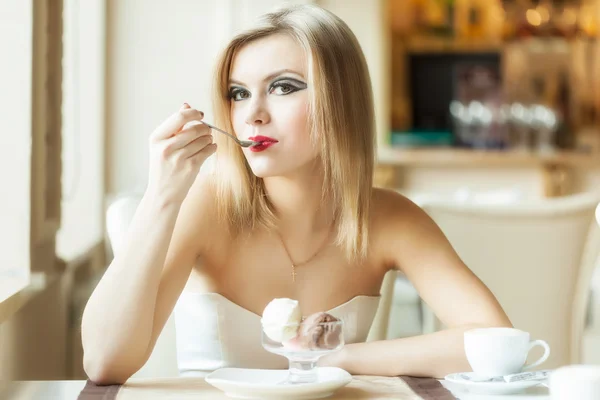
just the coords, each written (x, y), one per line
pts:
(163, 361)
(409, 315)
(590, 348)
(380, 326)
(530, 255)
(406, 314)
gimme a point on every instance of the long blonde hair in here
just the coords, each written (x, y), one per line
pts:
(341, 121)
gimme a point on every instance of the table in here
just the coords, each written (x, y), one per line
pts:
(65, 390)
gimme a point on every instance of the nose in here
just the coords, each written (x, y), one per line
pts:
(257, 113)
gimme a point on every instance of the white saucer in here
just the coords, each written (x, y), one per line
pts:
(489, 387)
(266, 383)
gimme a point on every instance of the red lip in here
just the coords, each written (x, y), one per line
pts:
(265, 143)
(260, 138)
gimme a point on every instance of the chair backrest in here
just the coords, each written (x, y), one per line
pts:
(590, 347)
(163, 361)
(119, 214)
(380, 326)
(530, 255)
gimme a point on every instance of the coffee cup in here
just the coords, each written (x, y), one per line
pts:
(494, 352)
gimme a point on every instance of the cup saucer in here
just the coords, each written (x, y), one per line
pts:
(267, 383)
(461, 381)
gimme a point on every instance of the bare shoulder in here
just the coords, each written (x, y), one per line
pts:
(400, 229)
(389, 209)
(408, 240)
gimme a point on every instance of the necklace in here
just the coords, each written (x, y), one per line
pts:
(294, 265)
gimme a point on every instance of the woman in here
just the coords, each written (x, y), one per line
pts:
(293, 217)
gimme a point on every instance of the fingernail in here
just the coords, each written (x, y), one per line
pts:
(186, 105)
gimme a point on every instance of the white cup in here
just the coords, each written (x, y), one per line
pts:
(581, 382)
(495, 352)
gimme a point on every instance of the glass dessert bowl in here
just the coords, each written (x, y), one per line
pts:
(304, 343)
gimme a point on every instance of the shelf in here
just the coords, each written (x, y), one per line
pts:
(449, 45)
(449, 157)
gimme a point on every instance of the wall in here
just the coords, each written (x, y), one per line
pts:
(160, 55)
(368, 19)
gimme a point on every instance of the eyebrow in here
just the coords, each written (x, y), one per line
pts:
(270, 77)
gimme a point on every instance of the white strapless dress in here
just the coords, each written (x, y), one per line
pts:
(213, 332)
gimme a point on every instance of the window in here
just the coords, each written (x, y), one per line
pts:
(82, 209)
(16, 30)
(30, 99)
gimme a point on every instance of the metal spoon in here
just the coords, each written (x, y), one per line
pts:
(243, 143)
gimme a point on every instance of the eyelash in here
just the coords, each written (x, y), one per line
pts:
(235, 91)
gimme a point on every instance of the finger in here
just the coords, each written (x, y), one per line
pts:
(188, 135)
(195, 146)
(176, 122)
(205, 152)
(185, 106)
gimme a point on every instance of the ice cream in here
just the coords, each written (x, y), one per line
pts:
(282, 322)
(281, 319)
(316, 332)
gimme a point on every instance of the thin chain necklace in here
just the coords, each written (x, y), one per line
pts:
(295, 265)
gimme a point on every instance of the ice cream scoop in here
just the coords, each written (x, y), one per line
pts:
(317, 332)
(281, 319)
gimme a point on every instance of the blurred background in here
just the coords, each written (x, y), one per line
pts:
(487, 116)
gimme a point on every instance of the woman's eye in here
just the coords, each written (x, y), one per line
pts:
(287, 86)
(237, 94)
(283, 88)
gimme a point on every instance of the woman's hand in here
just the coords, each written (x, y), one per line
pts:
(178, 148)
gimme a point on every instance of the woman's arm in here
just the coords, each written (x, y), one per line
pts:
(134, 298)
(132, 302)
(432, 355)
(119, 316)
(415, 245)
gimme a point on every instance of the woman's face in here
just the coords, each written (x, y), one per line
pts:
(269, 101)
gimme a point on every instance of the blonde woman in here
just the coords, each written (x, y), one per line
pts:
(296, 217)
